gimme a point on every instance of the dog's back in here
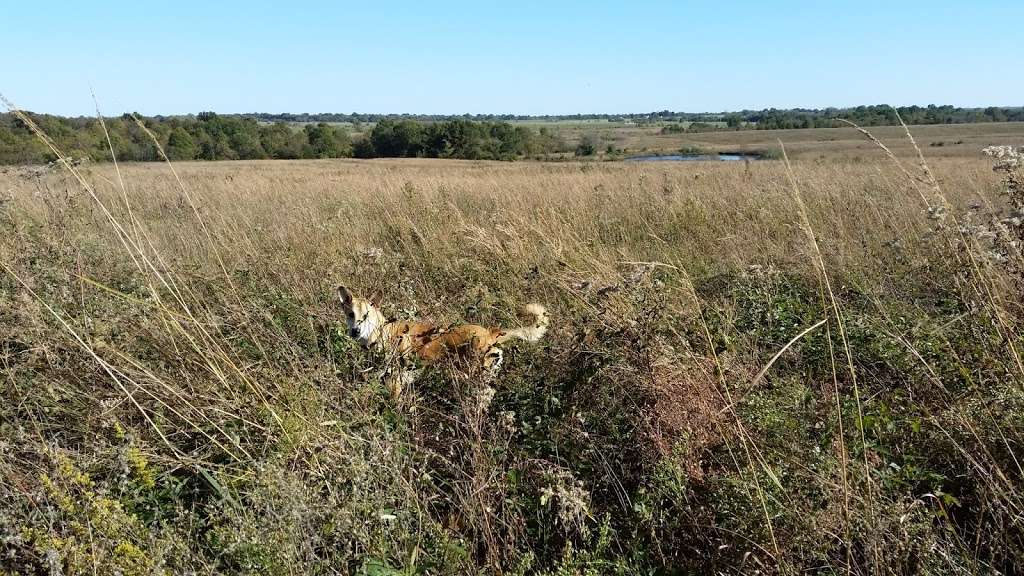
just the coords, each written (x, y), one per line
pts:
(431, 342)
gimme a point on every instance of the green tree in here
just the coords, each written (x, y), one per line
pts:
(363, 148)
(454, 139)
(244, 139)
(181, 145)
(326, 141)
(994, 114)
(397, 139)
(280, 141)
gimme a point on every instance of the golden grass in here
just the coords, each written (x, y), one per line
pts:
(712, 216)
(205, 295)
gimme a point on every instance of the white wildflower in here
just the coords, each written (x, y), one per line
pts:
(507, 419)
(1007, 157)
(372, 253)
(484, 397)
(1000, 152)
(572, 501)
(936, 213)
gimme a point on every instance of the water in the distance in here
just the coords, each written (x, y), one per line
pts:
(695, 157)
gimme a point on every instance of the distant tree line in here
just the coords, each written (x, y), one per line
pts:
(775, 119)
(360, 118)
(745, 119)
(209, 136)
(879, 116)
(206, 136)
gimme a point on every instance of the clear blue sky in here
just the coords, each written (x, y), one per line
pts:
(495, 57)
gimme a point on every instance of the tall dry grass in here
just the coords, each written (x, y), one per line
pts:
(751, 367)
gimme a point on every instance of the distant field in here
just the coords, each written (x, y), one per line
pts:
(847, 144)
(945, 141)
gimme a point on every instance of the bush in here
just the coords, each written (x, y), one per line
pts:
(363, 148)
(589, 145)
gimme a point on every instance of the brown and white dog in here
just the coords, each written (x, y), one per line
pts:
(404, 340)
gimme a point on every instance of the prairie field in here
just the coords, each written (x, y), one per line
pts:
(822, 144)
(751, 367)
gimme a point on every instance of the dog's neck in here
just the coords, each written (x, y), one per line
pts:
(373, 329)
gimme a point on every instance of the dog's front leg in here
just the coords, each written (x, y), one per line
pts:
(493, 360)
(398, 378)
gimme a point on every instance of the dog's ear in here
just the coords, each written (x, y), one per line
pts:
(376, 298)
(346, 295)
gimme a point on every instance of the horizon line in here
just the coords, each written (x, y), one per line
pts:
(527, 116)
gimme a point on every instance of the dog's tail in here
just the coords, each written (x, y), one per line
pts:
(530, 333)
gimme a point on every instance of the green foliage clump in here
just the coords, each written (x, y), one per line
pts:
(589, 145)
(461, 139)
(210, 136)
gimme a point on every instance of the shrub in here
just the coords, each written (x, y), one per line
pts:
(588, 145)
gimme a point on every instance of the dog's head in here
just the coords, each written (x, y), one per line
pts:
(363, 319)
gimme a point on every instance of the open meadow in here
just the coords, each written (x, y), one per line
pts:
(749, 367)
(823, 144)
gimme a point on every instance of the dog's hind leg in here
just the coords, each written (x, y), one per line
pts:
(408, 376)
(493, 360)
(399, 379)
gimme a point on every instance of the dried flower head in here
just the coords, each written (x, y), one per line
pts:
(1007, 157)
(571, 498)
(484, 397)
(1003, 234)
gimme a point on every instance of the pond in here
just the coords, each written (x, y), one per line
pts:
(720, 157)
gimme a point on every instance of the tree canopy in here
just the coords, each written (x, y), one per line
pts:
(210, 136)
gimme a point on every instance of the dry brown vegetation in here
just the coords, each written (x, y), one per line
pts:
(179, 393)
